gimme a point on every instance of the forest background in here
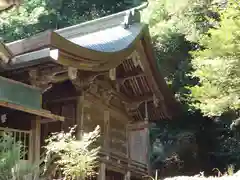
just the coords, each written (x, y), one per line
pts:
(197, 49)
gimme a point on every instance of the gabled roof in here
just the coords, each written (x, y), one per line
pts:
(96, 42)
(101, 45)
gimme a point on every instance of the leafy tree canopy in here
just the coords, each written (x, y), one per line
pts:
(218, 65)
(35, 16)
(175, 27)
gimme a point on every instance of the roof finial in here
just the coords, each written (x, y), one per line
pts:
(131, 17)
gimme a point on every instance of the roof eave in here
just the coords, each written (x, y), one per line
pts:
(173, 105)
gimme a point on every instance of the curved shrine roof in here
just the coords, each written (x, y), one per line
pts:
(98, 45)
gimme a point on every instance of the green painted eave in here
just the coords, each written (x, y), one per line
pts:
(20, 94)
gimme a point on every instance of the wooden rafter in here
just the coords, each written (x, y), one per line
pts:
(123, 97)
(122, 80)
(148, 71)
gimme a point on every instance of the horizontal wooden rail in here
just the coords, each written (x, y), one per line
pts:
(122, 161)
(14, 130)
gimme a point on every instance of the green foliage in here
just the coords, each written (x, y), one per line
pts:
(200, 143)
(35, 16)
(179, 28)
(175, 27)
(16, 24)
(77, 158)
(218, 65)
(184, 17)
(11, 166)
(174, 146)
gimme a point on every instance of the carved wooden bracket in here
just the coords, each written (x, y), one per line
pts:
(36, 80)
(82, 80)
(43, 78)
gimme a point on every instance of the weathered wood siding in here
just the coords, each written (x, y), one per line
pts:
(117, 134)
(138, 137)
(94, 117)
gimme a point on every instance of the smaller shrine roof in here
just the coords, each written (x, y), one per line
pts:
(13, 96)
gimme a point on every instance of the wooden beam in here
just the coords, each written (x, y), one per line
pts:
(41, 113)
(62, 99)
(120, 95)
(115, 111)
(112, 164)
(140, 99)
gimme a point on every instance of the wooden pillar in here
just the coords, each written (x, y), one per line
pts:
(102, 172)
(34, 154)
(102, 167)
(127, 176)
(148, 148)
(106, 117)
(80, 116)
(146, 122)
(127, 142)
(80, 119)
(128, 145)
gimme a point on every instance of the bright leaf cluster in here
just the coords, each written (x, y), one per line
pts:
(76, 158)
(218, 65)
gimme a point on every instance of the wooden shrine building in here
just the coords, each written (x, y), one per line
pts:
(21, 113)
(101, 72)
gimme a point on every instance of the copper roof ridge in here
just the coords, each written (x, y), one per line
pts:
(93, 25)
(98, 24)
